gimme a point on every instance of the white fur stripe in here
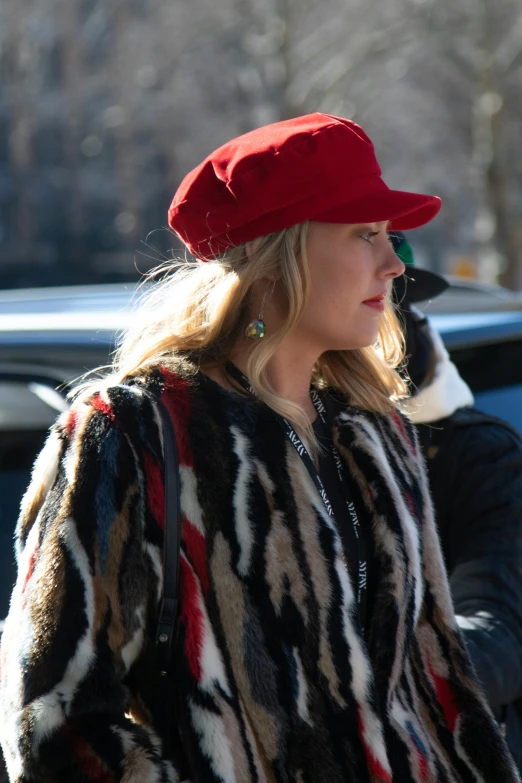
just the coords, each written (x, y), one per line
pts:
(155, 557)
(50, 710)
(410, 526)
(302, 690)
(130, 651)
(138, 766)
(241, 501)
(43, 475)
(401, 715)
(189, 498)
(214, 743)
(478, 778)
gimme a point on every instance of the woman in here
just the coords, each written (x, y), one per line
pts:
(316, 637)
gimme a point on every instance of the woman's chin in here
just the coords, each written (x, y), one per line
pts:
(355, 342)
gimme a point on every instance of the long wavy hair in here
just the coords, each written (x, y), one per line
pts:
(196, 313)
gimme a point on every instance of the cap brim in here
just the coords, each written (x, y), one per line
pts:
(418, 285)
(405, 210)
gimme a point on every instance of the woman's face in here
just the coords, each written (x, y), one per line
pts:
(351, 268)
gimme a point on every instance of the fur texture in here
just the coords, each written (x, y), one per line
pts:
(274, 682)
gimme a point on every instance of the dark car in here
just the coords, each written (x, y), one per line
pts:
(50, 337)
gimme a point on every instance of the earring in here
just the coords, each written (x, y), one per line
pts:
(256, 329)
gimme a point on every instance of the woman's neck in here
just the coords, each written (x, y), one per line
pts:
(289, 373)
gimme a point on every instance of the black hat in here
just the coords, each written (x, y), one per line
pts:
(415, 285)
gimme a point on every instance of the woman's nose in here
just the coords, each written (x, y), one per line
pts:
(392, 265)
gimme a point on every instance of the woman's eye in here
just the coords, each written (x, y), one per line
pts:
(368, 236)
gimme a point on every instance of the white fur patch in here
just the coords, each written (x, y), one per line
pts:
(189, 498)
(214, 743)
(131, 650)
(24, 564)
(44, 471)
(48, 716)
(13, 764)
(155, 557)
(241, 501)
(128, 742)
(374, 737)
(445, 393)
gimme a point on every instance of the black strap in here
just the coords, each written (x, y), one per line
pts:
(168, 615)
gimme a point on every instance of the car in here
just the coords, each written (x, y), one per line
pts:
(465, 295)
(481, 326)
(50, 337)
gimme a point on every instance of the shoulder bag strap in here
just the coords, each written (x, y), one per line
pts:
(168, 615)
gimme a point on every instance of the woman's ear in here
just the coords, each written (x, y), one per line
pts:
(251, 247)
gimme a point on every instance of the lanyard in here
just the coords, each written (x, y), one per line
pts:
(301, 449)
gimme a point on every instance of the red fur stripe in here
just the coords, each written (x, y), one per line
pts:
(374, 765)
(99, 404)
(191, 617)
(177, 401)
(70, 422)
(446, 699)
(411, 504)
(93, 767)
(400, 424)
(30, 569)
(423, 766)
(196, 548)
(155, 489)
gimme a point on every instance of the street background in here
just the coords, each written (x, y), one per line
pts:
(106, 104)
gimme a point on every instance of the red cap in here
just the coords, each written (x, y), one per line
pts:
(316, 167)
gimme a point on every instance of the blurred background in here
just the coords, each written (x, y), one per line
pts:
(106, 104)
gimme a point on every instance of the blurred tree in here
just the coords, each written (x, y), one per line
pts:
(105, 104)
(476, 49)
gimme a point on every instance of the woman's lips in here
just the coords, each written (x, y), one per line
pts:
(377, 302)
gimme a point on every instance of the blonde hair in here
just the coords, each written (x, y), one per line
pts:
(195, 313)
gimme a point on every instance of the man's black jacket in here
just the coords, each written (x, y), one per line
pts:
(475, 469)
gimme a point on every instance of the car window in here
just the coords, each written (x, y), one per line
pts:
(487, 367)
(494, 373)
(24, 406)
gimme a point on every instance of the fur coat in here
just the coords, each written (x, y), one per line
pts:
(274, 681)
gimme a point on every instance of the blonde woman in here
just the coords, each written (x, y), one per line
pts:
(316, 641)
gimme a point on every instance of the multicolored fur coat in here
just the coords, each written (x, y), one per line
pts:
(275, 682)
